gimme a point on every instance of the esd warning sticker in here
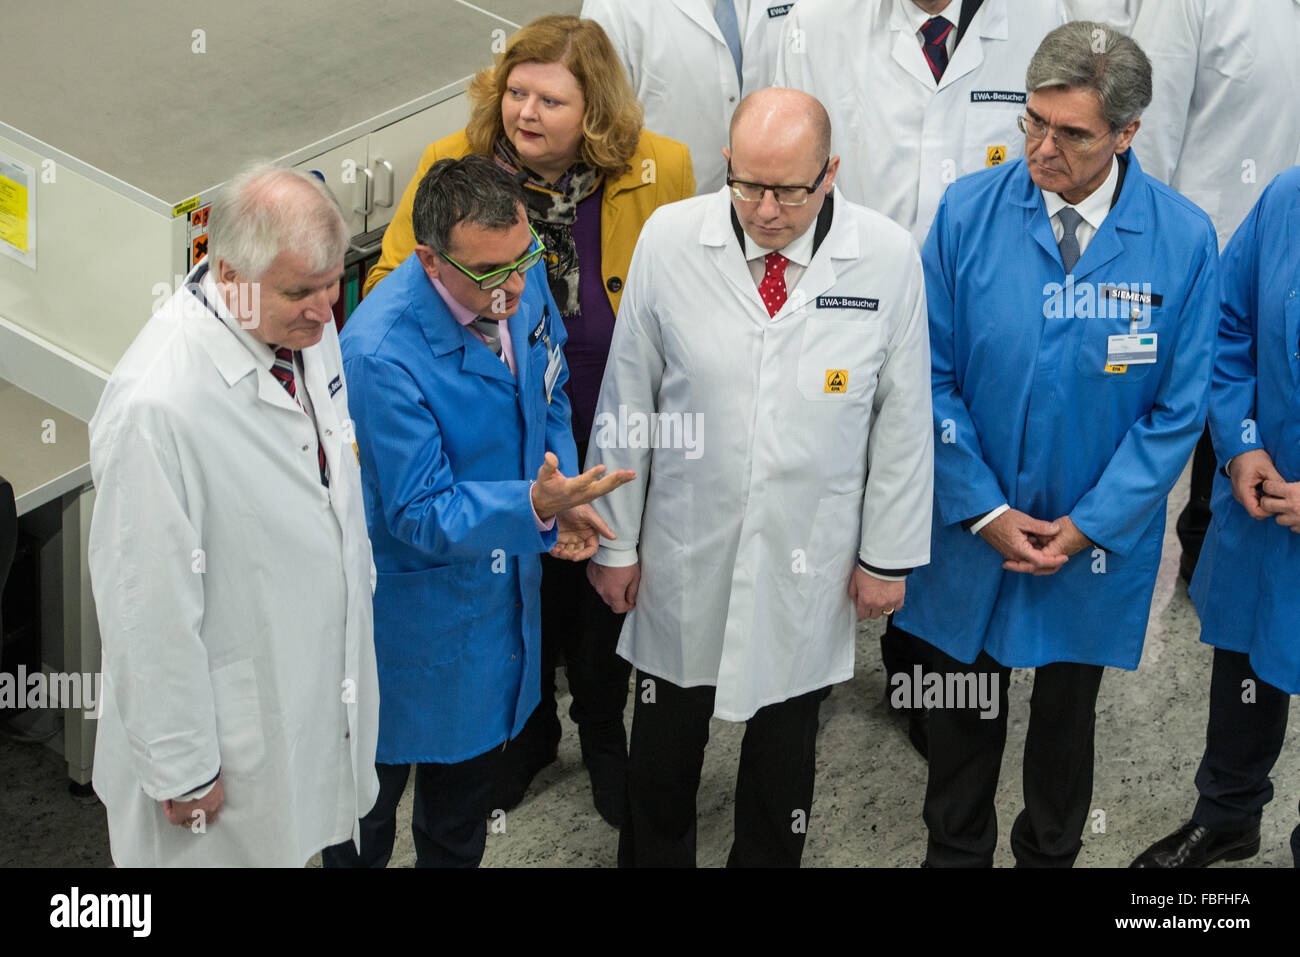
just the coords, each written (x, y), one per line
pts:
(837, 380)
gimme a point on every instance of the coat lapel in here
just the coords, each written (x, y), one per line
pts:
(990, 23)
(906, 50)
(728, 256)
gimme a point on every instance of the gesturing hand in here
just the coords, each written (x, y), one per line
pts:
(553, 492)
(580, 532)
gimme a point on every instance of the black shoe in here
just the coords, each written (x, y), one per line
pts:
(1195, 846)
(605, 755)
(521, 770)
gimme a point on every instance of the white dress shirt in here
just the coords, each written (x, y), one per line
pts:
(799, 251)
(1093, 209)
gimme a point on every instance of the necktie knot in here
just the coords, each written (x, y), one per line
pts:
(490, 330)
(935, 31)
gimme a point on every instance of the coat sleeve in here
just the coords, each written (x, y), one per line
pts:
(423, 503)
(964, 485)
(146, 567)
(900, 445)
(633, 373)
(1232, 391)
(1170, 35)
(1116, 511)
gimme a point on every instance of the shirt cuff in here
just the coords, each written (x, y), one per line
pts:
(988, 517)
(885, 574)
(545, 526)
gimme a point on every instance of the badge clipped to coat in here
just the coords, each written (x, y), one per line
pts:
(1132, 349)
(554, 362)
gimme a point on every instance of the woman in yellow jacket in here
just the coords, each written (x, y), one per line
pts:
(558, 110)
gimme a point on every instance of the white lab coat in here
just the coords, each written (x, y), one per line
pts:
(234, 600)
(1223, 120)
(683, 72)
(901, 139)
(747, 544)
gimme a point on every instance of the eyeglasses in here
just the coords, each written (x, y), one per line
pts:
(1074, 142)
(785, 195)
(499, 276)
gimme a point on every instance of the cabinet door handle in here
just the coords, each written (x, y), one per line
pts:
(383, 183)
(363, 193)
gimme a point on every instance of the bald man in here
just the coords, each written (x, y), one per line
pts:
(769, 381)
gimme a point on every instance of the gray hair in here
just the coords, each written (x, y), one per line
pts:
(1093, 56)
(472, 189)
(266, 209)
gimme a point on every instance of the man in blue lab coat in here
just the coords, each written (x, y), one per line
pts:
(1247, 582)
(1072, 305)
(456, 371)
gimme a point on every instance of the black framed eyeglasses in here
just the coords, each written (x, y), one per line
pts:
(785, 195)
(499, 276)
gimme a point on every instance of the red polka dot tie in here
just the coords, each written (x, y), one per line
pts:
(772, 288)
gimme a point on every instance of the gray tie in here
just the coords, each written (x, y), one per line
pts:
(1070, 219)
(725, 14)
(490, 330)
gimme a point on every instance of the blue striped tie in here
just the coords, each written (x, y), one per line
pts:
(935, 30)
(725, 14)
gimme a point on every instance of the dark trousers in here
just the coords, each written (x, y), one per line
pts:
(966, 755)
(1194, 519)
(900, 651)
(774, 786)
(448, 820)
(577, 623)
(1242, 742)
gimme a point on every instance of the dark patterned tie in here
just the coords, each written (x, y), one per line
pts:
(1069, 219)
(282, 369)
(935, 30)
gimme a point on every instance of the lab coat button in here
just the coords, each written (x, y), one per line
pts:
(329, 431)
(305, 448)
(614, 284)
(346, 735)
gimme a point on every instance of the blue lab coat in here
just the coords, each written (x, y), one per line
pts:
(1247, 581)
(1026, 413)
(449, 444)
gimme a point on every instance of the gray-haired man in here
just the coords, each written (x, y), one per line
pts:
(1069, 389)
(229, 556)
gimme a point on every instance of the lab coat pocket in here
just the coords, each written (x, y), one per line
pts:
(840, 358)
(409, 633)
(238, 706)
(1094, 344)
(991, 136)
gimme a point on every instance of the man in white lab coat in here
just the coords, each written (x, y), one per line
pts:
(691, 62)
(919, 91)
(769, 377)
(1222, 123)
(229, 556)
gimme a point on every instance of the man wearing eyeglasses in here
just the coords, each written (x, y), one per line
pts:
(1072, 304)
(465, 447)
(789, 326)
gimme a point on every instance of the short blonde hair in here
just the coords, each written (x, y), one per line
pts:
(612, 117)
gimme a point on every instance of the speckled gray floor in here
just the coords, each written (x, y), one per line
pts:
(867, 809)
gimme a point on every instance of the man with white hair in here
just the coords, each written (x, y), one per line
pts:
(229, 556)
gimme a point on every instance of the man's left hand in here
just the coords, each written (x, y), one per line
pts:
(580, 532)
(1282, 501)
(873, 596)
(1068, 541)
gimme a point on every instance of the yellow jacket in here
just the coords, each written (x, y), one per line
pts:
(661, 173)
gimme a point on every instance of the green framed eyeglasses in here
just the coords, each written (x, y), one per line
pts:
(498, 276)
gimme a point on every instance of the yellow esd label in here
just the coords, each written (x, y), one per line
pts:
(356, 451)
(837, 380)
(996, 155)
(1117, 369)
